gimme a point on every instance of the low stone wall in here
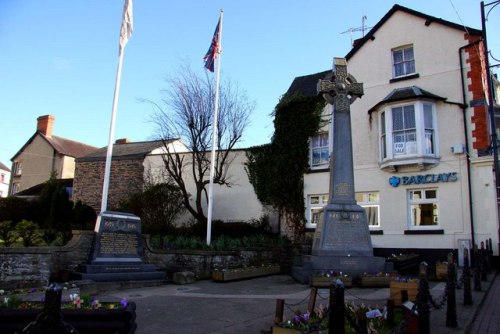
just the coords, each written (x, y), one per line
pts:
(37, 266)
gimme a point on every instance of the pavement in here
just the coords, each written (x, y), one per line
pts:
(248, 306)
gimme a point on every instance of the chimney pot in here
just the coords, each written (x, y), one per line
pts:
(44, 125)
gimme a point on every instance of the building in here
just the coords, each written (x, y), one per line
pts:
(4, 180)
(45, 154)
(423, 163)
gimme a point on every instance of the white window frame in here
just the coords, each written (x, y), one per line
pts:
(18, 168)
(425, 134)
(323, 148)
(367, 200)
(407, 63)
(412, 201)
(315, 206)
(15, 188)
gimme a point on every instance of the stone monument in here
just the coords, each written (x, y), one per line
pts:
(342, 239)
(116, 251)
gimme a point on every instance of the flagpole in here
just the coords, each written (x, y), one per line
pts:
(214, 135)
(125, 33)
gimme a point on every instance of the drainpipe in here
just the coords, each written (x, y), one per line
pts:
(466, 132)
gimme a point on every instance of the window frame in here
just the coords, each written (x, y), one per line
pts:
(434, 201)
(323, 201)
(323, 163)
(366, 202)
(18, 168)
(404, 62)
(421, 109)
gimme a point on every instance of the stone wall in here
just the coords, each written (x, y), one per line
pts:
(126, 177)
(37, 266)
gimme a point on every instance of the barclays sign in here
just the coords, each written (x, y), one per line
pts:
(423, 179)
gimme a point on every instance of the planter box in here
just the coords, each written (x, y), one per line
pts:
(407, 265)
(100, 321)
(243, 273)
(281, 330)
(375, 281)
(396, 288)
(326, 282)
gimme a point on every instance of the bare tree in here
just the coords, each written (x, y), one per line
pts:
(186, 112)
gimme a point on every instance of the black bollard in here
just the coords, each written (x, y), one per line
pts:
(390, 311)
(336, 307)
(423, 305)
(451, 305)
(466, 276)
(477, 270)
(487, 258)
(51, 319)
(490, 254)
(484, 263)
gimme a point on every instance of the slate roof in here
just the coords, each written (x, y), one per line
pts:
(62, 145)
(124, 151)
(3, 167)
(407, 93)
(428, 20)
(307, 84)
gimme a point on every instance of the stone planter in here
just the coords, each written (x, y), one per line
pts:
(375, 281)
(226, 275)
(396, 288)
(99, 321)
(326, 282)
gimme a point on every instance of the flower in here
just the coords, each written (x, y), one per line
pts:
(123, 302)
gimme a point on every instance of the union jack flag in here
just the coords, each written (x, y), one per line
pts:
(213, 50)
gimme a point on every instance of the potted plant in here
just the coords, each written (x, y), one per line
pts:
(324, 279)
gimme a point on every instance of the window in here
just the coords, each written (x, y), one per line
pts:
(2, 178)
(423, 207)
(18, 168)
(371, 203)
(315, 204)
(403, 61)
(320, 151)
(408, 134)
(15, 188)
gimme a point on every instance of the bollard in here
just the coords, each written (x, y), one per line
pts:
(362, 323)
(466, 276)
(484, 264)
(451, 305)
(490, 254)
(423, 305)
(51, 319)
(390, 311)
(487, 257)
(312, 300)
(477, 270)
(336, 307)
(278, 315)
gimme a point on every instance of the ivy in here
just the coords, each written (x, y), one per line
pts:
(276, 170)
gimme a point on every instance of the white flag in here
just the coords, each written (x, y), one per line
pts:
(127, 24)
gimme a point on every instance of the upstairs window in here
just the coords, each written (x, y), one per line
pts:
(18, 168)
(403, 61)
(408, 132)
(320, 151)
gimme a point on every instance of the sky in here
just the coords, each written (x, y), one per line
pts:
(60, 57)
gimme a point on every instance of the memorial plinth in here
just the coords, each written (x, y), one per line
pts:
(117, 251)
(342, 241)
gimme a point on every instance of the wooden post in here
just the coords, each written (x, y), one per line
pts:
(451, 306)
(477, 270)
(423, 304)
(312, 300)
(484, 263)
(336, 310)
(278, 317)
(390, 311)
(466, 276)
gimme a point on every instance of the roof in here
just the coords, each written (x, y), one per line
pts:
(407, 93)
(428, 20)
(3, 167)
(36, 190)
(307, 84)
(61, 145)
(124, 151)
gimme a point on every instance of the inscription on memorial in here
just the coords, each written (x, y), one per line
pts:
(118, 243)
(347, 235)
(343, 189)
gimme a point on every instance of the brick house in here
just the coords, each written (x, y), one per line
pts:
(44, 154)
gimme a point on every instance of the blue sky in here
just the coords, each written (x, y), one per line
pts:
(60, 57)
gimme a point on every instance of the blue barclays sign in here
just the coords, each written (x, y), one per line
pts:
(423, 179)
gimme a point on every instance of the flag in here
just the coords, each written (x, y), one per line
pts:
(212, 50)
(127, 24)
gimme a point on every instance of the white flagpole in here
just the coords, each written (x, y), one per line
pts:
(214, 135)
(125, 33)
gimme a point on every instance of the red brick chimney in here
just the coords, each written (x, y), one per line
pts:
(44, 124)
(122, 141)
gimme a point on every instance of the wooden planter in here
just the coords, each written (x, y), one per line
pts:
(407, 265)
(243, 273)
(100, 321)
(326, 282)
(281, 330)
(396, 288)
(375, 281)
